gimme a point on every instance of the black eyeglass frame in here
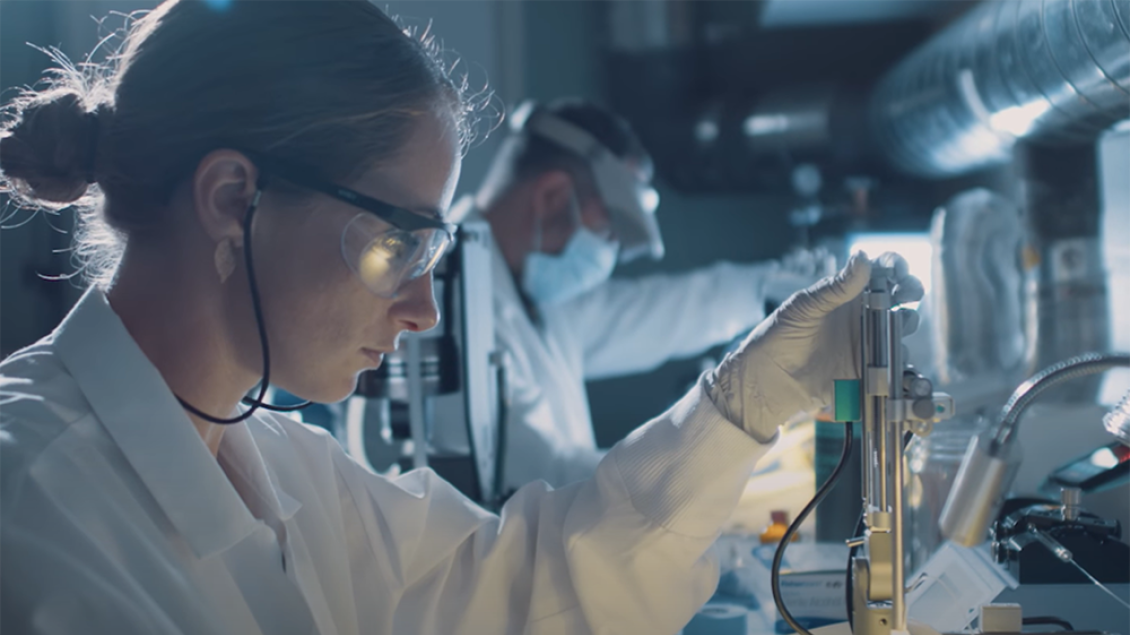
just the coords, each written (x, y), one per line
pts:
(398, 217)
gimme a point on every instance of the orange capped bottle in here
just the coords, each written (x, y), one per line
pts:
(777, 528)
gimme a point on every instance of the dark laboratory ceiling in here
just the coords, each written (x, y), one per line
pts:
(810, 13)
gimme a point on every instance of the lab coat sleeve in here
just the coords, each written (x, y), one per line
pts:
(542, 443)
(537, 446)
(634, 325)
(623, 552)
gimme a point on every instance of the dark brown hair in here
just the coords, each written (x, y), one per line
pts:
(333, 84)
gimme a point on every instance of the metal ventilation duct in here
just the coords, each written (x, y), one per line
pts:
(1008, 70)
(638, 27)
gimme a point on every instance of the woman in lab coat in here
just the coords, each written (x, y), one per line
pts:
(274, 174)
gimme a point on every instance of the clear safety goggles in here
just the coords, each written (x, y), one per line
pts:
(386, 246)
(386, 258)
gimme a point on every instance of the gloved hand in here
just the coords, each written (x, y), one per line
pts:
(788, 363)
(799, 269)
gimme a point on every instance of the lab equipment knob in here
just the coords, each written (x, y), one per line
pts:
(807, 180)
(1072, 499)
(923, 408)
(916, 385)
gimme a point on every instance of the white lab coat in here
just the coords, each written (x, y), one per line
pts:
(115, 518)
(625, 326)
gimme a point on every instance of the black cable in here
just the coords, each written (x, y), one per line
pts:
(277, 408)
(1048, 621)
(257, 307)
(260, 322)
(778, 557)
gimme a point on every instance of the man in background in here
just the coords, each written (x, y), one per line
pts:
(569, 196)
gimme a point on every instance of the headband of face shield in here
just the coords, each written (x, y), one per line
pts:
(630, 200)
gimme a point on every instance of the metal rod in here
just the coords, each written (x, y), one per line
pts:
(866, 433)
(1095, 581)
(894, 346)
(880, 356)
(883, 459)
(898, 597)
(898, 477)
(865, 463)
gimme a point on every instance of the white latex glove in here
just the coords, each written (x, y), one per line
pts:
(797, 270)
(788, 363)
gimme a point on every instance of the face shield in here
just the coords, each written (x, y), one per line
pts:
(624, 190)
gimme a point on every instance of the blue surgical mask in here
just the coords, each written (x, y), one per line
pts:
(586, 262)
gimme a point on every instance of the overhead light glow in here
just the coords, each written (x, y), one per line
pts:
(1018, 120)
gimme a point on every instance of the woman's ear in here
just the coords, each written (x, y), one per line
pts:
(222, 191)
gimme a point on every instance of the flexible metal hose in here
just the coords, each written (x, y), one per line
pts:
(1027, 392)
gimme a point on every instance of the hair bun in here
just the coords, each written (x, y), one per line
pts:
(47, 152)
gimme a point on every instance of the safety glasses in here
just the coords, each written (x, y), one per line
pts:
(386, 246)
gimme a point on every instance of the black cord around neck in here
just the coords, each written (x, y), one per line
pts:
(256, 402)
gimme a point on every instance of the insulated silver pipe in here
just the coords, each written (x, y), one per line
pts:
(1007, 70)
